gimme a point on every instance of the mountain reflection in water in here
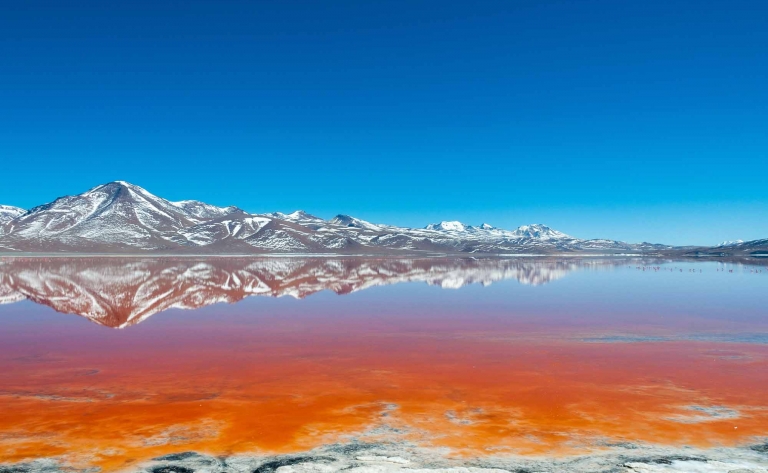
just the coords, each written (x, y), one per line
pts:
(120, 292)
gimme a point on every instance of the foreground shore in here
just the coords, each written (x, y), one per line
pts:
(359, 457)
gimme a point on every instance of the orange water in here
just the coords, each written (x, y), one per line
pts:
(114, 398)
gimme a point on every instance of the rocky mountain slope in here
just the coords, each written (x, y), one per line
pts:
(122, 218)
(759, 247)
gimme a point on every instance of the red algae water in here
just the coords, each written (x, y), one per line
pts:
(525, 358)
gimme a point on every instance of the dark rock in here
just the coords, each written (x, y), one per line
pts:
(760, 448)
(177, 456)
(14, 469)
(172, 469)
(271, 466)
(353, 448)
(668, 460)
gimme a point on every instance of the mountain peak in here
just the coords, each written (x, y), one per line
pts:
(116, 214)
(352, 222)
(117, 184)
(301, 215)
(346, 220)
(447, 226)
(200, 210)
(729, 243)
(539, 231)
(297, 216)
(116, 189)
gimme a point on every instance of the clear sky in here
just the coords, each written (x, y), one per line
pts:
(634, 120)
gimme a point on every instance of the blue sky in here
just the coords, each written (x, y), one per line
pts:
(628, 120)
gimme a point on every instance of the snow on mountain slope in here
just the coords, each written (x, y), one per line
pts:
(116, 214)
(312, 238)
(540, 232)
(486, 231)
(753, 246)
(352, 222)
(203, 211)
(447, 226)
(456, 227)
(486, 238)
(8, 212)
(119, 216)
(239, 227)
(729, 243)
(299, 216)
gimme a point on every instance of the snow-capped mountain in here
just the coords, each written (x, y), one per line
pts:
(113, 215)
(203, 211)
(352, 222)
(540, 232)
(299, 216)
(8, 212)
(729, 243)
(119, 217)
(754, 247)
(447, 226)
(119, 292)
(535, 231)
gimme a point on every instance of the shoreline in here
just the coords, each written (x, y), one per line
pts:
(371, 255)
(404, 457)
(327, 255)
(731, 259)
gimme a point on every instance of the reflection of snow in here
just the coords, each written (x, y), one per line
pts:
(119, 292)
(9, 295)
(696, 414)
(180, 434)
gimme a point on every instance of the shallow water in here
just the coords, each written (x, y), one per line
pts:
(465, 359)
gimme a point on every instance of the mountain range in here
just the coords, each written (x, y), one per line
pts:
(122, 218)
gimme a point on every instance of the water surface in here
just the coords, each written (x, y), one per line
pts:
(111, 362)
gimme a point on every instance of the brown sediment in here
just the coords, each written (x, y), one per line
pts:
(293, 385)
